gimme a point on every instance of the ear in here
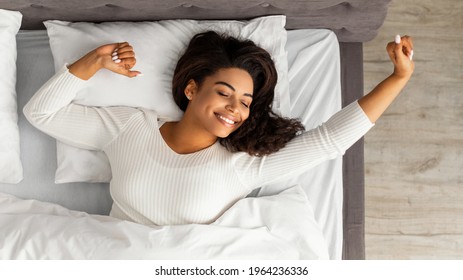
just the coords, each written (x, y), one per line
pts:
(191, 89)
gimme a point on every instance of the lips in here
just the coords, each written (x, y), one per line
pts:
(226, 120)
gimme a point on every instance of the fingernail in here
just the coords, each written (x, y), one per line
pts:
(115, 50)
(397, 39)
(115, 57)
(117, 60)
(411, 54)
(114, 53)
(140, 74)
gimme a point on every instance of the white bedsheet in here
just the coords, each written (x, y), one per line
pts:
(315, 88)
(281, 226)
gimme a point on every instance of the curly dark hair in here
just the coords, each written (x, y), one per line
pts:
(263, 132)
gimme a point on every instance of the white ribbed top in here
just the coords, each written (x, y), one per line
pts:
(151, 183)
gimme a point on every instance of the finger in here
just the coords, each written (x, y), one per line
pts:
(124, 60)
(116, 47)
(128, 62)
(121, 47)
(398, 43)
(409, 40)
(122, 44)
(128, 54)
(133, 74)
(129, 73)
(125, 48)
(390, 50)
(398, 48)
(124, 65)
(122, 54)
(408, 46)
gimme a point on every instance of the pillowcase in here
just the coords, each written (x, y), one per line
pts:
(11, 170)
(158, 46)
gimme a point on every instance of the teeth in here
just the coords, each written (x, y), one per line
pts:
(226, 120)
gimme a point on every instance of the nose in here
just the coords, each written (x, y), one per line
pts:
(232, 106)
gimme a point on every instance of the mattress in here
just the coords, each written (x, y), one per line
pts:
(314, 72)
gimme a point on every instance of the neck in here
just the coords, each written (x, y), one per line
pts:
(185, 137)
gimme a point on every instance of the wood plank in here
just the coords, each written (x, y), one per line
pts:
(414, 247)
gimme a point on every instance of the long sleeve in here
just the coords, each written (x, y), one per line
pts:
(307, 150)
(51, 111)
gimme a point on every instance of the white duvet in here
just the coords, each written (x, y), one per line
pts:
(281, 226)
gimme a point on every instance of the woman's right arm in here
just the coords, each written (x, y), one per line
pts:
(51, 110)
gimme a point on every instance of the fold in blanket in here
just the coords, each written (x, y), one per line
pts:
(281, 226)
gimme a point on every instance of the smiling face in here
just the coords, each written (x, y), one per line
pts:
(221, 104)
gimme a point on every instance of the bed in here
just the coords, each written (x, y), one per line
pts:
(353, 22)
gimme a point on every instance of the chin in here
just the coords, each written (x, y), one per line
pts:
(222, 130)
(224, 134)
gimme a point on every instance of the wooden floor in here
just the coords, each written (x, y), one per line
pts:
(414, 154)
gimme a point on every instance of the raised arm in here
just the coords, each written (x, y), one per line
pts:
(52, 111)
(335, 136)
(378, 100)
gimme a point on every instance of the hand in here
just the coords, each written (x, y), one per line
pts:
(401, 53)
(121, 64)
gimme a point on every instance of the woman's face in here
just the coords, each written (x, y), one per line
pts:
(221, 104)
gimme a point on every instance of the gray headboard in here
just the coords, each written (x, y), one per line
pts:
(353, 21)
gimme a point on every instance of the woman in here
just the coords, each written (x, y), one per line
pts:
(227, 143)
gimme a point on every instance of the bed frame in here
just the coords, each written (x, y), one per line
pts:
(353, 21)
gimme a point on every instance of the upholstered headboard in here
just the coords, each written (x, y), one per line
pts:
(353, 21)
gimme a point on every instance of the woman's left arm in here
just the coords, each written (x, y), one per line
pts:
(376, 102)
(336, 135)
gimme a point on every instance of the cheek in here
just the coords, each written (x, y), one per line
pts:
(210, 100)
(204, 103)
(245, 116)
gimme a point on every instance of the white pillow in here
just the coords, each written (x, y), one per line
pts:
(11, 170)
(158, 46)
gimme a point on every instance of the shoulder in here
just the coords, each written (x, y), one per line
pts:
(153, 118)
(144, 115)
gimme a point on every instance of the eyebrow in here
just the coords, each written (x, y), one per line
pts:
(228, 85)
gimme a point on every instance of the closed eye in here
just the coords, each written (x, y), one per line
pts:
(226, 95)
(222, 94)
